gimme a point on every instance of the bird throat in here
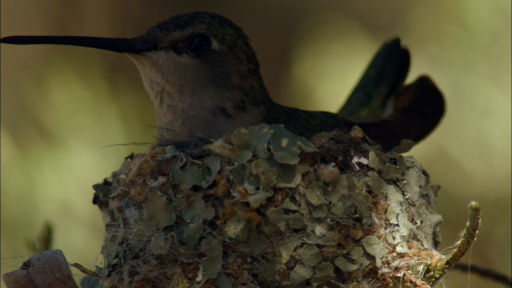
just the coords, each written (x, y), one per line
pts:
(188, 105)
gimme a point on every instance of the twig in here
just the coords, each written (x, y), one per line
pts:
(463, 245)
(484, 272)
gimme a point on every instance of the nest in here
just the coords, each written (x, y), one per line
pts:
(267, 208)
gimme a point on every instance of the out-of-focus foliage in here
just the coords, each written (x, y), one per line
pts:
(61, 105)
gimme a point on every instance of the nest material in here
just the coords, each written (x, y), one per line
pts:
(267, 208)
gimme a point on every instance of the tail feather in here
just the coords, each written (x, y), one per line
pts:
(418, 108)
(381, 80)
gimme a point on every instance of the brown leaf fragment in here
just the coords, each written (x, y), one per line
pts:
(142, 169)
(236, 266)
(328, 172)
(254, 218)
(245, 196)
(279, 196)
(222, 186)
(357, 132)
(226, 212)
(282, 273)
(356, 232)
(45, 269)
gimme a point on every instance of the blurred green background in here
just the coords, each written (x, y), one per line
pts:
(61, 106)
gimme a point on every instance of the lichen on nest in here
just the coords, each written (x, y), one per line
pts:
(267, 208)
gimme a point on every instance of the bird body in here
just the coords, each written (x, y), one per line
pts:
(203, 77)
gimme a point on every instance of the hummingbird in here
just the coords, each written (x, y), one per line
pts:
(204, 79)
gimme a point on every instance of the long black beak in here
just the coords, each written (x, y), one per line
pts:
(120, 45)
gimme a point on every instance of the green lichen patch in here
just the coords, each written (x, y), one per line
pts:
(286, 146)
(375, 247)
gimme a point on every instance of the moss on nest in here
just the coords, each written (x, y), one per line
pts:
(267, 208)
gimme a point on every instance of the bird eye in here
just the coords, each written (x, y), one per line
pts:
(198, 44)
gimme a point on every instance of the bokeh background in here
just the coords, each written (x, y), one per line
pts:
(64, 109)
